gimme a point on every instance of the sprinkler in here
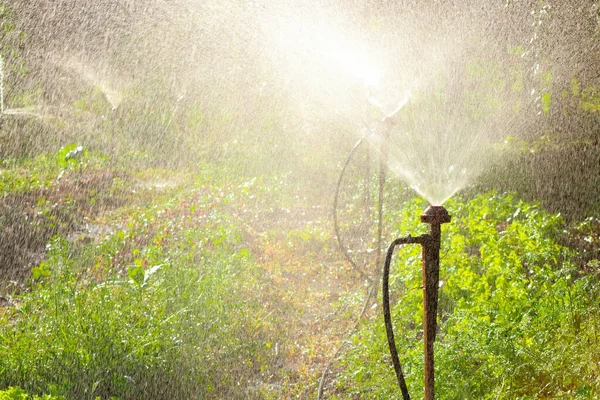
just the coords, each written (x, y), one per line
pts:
(390, 103)
(434, 216)
(389, 99)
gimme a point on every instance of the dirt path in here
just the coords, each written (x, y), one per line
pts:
(308, 280)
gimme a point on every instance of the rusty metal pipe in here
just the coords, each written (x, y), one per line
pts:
(435, 216)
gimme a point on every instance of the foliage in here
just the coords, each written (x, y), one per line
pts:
(11, 39)
(42, 171)
(18, 394)
(516, 318)
(22, 176)
(155, 309)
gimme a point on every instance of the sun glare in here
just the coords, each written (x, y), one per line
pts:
(353, 59)
(328, 48)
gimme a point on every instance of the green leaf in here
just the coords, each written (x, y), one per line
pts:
(136, 274)
(546, 97)
(40, 271)
(61, 156)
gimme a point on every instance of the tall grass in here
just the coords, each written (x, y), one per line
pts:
(166, 307)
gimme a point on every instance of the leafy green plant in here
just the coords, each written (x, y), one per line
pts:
(13, 393)
(70, 154)
(158, 309)
(516, 317)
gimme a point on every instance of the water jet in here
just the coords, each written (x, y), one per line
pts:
(14, 112)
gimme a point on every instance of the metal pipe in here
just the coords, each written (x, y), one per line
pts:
(383, 167)
(435, 216)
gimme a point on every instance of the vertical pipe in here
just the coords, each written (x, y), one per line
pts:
(383, 167)
(435, 216)
(431, 277)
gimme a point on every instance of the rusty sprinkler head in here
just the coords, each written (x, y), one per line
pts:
(435, 215)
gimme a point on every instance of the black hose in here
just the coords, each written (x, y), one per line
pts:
(372, 284)
(386, 311)
(335, 209)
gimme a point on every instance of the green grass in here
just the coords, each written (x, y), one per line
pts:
(26, 174)
(166, 301)
(164, 307)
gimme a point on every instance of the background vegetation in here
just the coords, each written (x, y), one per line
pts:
(178, 243)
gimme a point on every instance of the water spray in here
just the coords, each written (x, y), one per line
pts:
(435, 216)
(1, 89)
